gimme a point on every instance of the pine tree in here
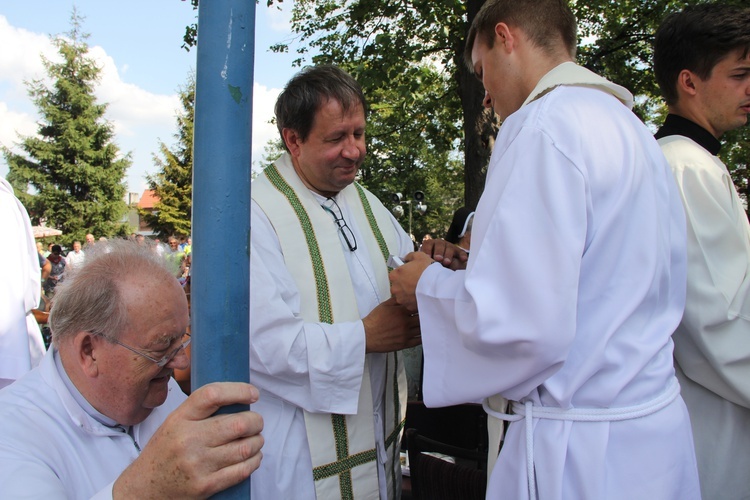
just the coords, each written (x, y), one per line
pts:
(73, 166)
(173, 183)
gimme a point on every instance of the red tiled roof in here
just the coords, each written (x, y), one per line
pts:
(148, 199)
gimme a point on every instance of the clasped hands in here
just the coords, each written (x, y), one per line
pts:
(404, 279)
(394, 324)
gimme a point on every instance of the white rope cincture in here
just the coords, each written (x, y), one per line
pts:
(528, 411)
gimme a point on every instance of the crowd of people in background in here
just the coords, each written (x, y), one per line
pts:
(55, 262)
(176, 251)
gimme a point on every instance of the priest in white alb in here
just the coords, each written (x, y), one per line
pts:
(575, 282)
(702, 64)
(323, 329)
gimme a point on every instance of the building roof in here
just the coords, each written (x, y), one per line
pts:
(148, 199)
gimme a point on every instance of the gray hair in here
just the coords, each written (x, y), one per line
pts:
(310, 89)
(90, 297)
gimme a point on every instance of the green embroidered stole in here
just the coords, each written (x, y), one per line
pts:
(342, 447)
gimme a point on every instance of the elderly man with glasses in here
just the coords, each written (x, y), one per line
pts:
(323, 329)
(101, 416)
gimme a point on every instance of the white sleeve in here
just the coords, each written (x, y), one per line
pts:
(716, 353)
(15, 296)
(506, 324)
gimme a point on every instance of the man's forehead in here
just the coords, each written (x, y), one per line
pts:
(156, 302)
(328, 103)
(735, 60)
(333, 108)
(742, 55)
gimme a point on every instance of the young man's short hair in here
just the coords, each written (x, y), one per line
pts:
(697, 39)
(545, 22)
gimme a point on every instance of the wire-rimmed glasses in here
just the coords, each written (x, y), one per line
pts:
(344, 229)
(159, 362)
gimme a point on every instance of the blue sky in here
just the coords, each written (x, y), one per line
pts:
(138, 43)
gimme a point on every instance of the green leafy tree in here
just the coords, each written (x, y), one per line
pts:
(425, 104)
(172, 184)
(418, 154)
(617, 43)
(273, 149)
(408, 56)
(384, 43)
(72, 166)
(413, 135)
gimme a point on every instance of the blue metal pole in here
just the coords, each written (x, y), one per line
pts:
(221, 197)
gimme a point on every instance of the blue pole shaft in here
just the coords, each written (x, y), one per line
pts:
(221, 198)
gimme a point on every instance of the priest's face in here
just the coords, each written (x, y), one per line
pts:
(328, 159)
(129, 386)
(724, 97)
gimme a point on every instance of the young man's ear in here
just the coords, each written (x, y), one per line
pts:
(504, 36)
(686, 82)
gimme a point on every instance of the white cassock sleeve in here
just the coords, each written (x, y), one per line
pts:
(717, 315)
(21, 344)
(315, 366)
(507, 323)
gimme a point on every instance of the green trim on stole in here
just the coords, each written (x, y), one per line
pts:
(325, 314)
(345, 462)
(398, 422)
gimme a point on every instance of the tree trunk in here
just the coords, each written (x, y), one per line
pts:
(480, 125)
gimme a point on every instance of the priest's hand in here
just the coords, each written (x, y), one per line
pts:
(195, 453)
(391, 327)
(447, 254)
(404, 279)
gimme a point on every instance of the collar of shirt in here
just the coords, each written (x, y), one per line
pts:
(571, 74)
(677, 125)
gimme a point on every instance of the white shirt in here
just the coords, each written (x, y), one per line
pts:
(50, 447)
(574, 285)
(21, 343)
(296, 365)
(712, 343)
(74, 259)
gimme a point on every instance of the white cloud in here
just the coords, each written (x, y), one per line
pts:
(13, 123)
(140, 118)
(264, 100)
(129, 106)
(19, 59)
